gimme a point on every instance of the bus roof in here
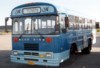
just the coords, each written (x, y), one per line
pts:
(34, 9)
(41, 8)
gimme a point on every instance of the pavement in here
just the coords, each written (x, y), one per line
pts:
(5, 42)
(98, 34)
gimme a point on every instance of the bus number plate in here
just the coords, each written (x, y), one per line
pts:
(31, 10)
(31, 63)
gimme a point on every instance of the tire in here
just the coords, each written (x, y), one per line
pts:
(87, 50)
(73, 50)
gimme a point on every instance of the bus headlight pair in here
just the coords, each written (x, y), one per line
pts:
(47, 55)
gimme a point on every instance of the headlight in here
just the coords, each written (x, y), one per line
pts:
(42, 56)
(15, 53)
(49, 55)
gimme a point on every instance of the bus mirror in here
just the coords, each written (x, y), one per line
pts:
(64, 30)
(66, 22)
(6, 20)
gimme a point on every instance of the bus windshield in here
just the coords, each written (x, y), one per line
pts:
(34, 25)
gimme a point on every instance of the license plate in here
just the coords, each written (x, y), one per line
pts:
(31, 63)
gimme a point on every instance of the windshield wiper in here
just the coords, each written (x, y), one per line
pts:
(34, 29)
(39, 34)
(24, 31)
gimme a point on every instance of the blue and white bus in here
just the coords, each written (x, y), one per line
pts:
(42, 34)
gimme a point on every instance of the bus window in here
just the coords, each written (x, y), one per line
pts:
(49, 23)
(28, 26)
(80, 20)
(39, 23)
(36, 23)
(62, 22)
(71, 18)
(76, 19)
(44, 22)
(20, 27)
(77, 26)
(43, 25)
(83, 20)
(15, 26)
(53, 23)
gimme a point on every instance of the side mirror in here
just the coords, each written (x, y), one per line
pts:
(6, 20)
(64, 30)
(66, 22)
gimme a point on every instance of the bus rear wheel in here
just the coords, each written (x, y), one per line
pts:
(87, 50)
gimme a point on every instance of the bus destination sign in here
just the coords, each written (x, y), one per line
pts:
(31, 10)
(43, 9)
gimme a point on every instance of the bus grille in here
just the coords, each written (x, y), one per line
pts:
(29, 46)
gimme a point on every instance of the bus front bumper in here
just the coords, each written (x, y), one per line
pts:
(35, 61)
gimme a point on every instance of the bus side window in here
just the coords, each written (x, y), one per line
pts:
(66, 22)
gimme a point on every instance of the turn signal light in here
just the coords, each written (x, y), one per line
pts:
(48, 39)
(15, 39)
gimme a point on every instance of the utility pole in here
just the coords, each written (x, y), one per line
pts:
(6, 20)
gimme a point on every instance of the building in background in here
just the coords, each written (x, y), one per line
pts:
(2, 28)
(97, 25)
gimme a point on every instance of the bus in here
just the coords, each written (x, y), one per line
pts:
(43, 34)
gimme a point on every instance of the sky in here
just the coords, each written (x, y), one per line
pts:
(86, 7)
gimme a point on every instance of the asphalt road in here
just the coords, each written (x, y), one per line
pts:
(77, 61)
